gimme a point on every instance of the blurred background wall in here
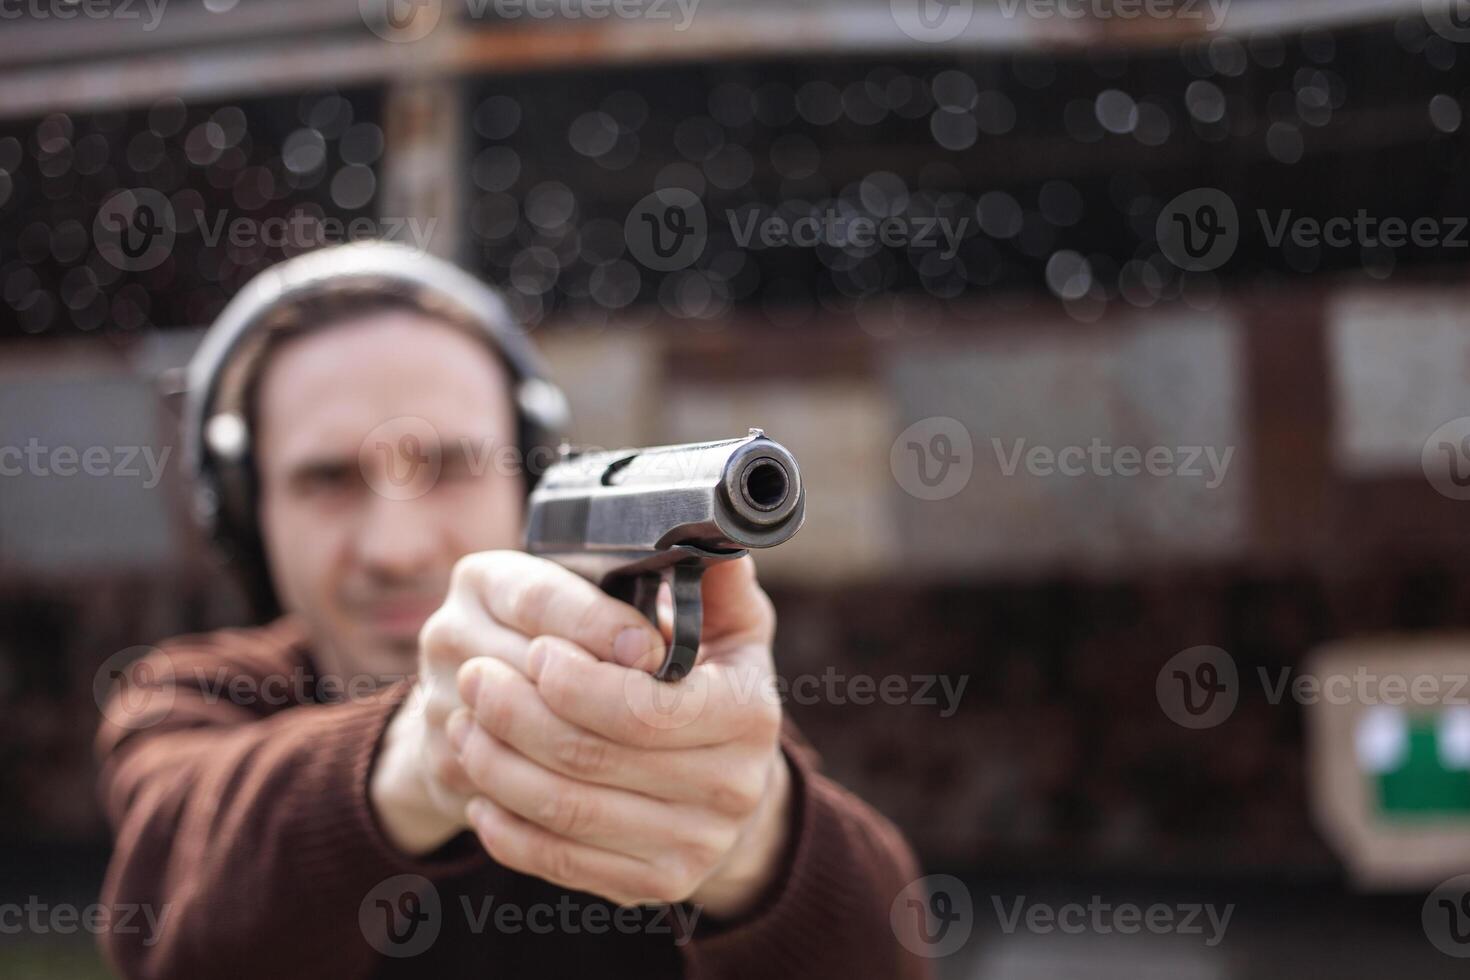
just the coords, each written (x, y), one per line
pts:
(1304, 391)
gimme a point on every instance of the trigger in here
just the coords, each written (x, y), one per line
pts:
(688, 621)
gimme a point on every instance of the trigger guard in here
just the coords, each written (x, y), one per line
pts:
(688, 621)
(684, 588)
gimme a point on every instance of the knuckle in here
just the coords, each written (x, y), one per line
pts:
(663, 892)
(560, 691)
(469, 570)
(640, 734)
(477, 767)
(478, 760)
(459, 783)
(556, 861)
(532, 599)
(765, 720)
(442, 636)
(737, 796)
(554, 689)
(582, 755)
(429, 634)
(726, 841)
(450, 774)
(657, 888)
(630, 729)
(494, 709)
(447, 770)
(595, 621)
(765, 611)
(707, 848)
(675, 882)
(569, 814)
(437, 710)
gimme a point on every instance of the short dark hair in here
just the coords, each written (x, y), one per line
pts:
(293, 319)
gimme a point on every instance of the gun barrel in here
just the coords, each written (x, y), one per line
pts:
(762, 483)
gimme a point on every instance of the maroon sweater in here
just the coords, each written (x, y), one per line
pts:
(241, 816)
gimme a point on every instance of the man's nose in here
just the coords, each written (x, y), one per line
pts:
(396, 538)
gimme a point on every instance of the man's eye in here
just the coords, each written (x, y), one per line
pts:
(327, 479)
(456, 466)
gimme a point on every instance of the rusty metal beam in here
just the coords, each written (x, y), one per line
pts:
(198, 58)
(423, 124)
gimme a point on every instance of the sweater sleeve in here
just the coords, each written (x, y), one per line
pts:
(237, 820)
(828, 914)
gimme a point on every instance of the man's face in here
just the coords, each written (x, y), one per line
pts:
(383, 451)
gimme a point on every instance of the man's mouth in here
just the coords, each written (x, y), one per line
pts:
(399, 619)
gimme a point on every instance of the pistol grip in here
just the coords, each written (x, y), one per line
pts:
(688, 614)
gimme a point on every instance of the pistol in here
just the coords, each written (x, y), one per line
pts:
(630, 520)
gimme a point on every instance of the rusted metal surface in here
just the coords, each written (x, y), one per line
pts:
(196, 77)
(422, 120)
(259, 48)
(69, 31)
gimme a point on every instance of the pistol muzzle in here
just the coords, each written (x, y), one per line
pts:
(762, 483)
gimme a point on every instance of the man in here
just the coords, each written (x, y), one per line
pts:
(449, 758)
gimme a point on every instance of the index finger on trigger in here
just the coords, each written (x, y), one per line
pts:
(537, 597)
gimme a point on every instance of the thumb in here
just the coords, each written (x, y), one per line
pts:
(736, 608)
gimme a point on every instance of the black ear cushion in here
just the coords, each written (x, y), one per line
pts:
(538, 448)
(237, 534)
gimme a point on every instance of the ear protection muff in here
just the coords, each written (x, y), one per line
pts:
(218, 444)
